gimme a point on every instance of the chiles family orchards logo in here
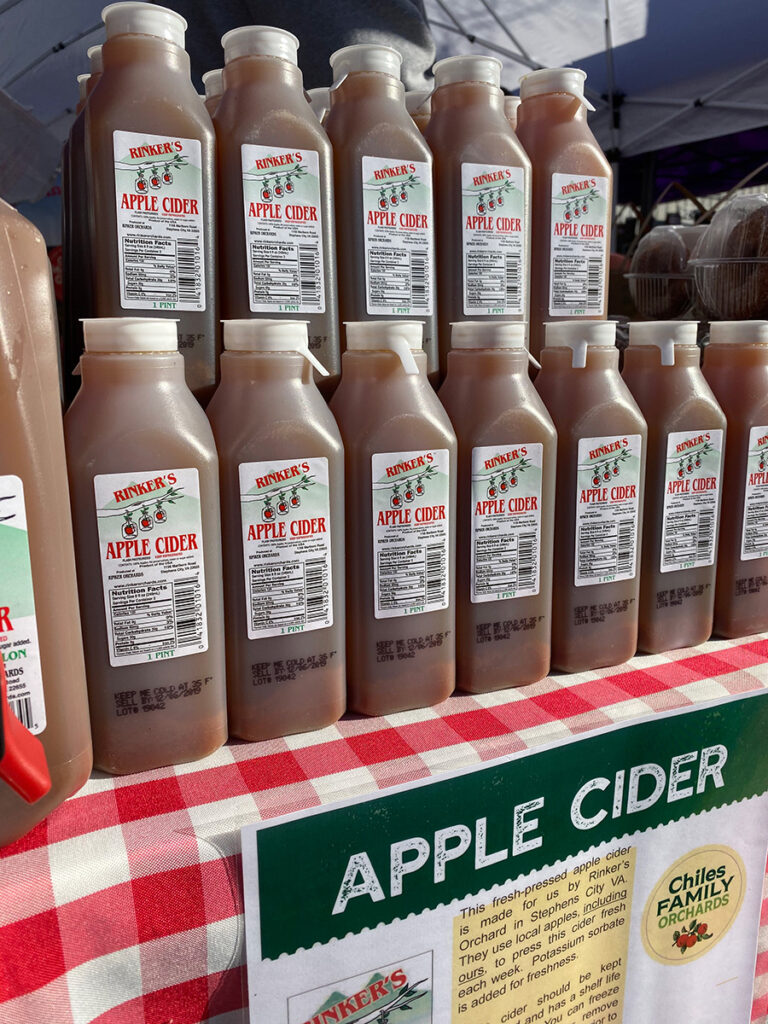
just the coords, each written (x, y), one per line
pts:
(275, 175)
(574, 203)
(488, 191)
(693, 905)
(392, 995)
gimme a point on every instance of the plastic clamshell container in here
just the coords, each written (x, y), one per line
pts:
(730, 261)
(660, 278)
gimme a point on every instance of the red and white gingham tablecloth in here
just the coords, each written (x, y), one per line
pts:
(125, 906)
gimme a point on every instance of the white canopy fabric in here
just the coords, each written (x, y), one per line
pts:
(660, 72)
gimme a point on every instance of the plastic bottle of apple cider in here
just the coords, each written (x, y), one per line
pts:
(77, 258)
(213, 83)
(400, 457)
(320, 102)
(151, 174)
(506, 504)
(282, 502)
(511, 103)
(601, 447)
(686, 435)
(483, 198)
(144, 483)
(276, 254)
(40, 637)
(418, 103)
(736, 368)
(384, 213)
(571, 201)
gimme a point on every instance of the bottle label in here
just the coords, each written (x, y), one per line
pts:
(607, 509)
(691, 499)
(159, 200)
(283, 229)
(506, 521)
(398, 227)
(754, 531)
(578, 245)
(493, 239)
(286, 515)
(151, 550)
(410, 532)
(19, 646)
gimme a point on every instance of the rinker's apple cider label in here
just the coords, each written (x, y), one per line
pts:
(151, 548)
(283, 230)
(607, 509)
(493, 239)
(399, 230)
(506, 521)
(578, 247)
(159, 199)
(691, 499)
(410, 532)
(286, 516)
(19, 647)
(754, 531)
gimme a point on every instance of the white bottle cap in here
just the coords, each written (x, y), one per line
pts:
(578, 335)
(320, 100)
(664, 334)
(415, 99)
(488, 334)
(739, 332)
(213, 81)
(260, 41)
(400, 336)
(469, 68)
(365, 57)
(144, 20)
(511, 103)
(82, 85)
(547, 80)
(270, 336)
(96, 59)
(131, 334)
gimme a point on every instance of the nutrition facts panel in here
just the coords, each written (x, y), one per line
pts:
(294, 593)
(410, 576)
(398, 277)
(152, 617)
(285, 275)
(606, 548)
(161, 270)
(505, 563)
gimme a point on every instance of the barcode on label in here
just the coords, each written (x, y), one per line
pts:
(435, 571)
(704, 536)
(316, 584)
(418, 279)
(189, 274)
(189, 621)
(526, 563)
(625, 546)
(309, 274)
(594, 283)
(513, 280)
(22, 708)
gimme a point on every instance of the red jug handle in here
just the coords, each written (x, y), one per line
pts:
(22, 758)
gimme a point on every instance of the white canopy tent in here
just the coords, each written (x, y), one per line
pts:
(660, 72)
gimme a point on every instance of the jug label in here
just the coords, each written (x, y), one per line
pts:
(283, 230)
(286, 515)
(159, 197)
(506, 521)
(691, 499)
(151, 549)
(493, 239)
(410, 532)
(578, 245)
(398, 228)
(754, 532)
(607, 509)
(19, 646)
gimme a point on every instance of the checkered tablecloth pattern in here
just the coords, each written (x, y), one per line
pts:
(125, 906)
